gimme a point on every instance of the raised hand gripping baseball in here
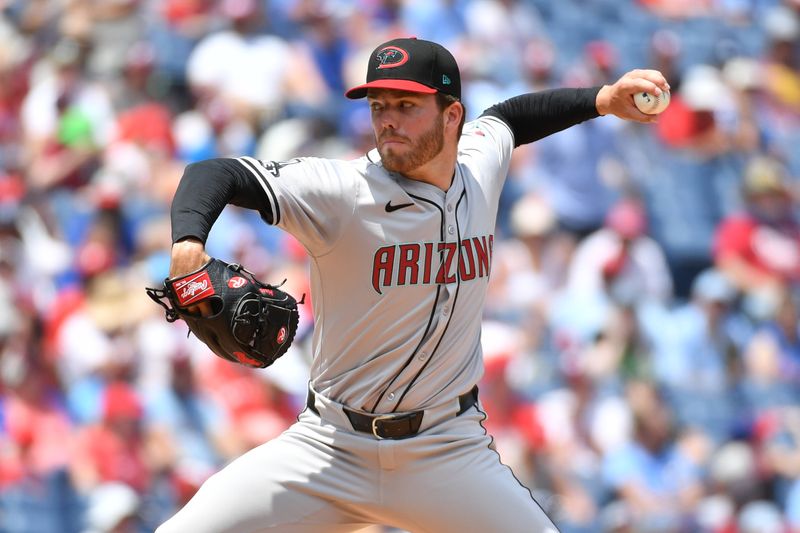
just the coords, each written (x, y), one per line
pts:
(618, 99)
(238, 317)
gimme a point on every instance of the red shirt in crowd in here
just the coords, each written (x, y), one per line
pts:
(773, 250)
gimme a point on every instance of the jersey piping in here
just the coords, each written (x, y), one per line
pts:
(427, 327)
(264, 182)
(452, 308)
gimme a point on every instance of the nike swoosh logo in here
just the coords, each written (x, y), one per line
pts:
(390, 207)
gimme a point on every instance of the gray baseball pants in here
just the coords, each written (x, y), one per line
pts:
(321, 476)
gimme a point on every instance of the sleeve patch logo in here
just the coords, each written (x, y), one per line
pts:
(274, 167)
(391, 57)
(192, 289)
(237, 282)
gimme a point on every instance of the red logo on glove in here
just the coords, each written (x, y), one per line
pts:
(281, 338)
(237, 282)
(268, 292)
(246, 359)
(194, 288)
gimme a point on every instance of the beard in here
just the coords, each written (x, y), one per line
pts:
(425, 148)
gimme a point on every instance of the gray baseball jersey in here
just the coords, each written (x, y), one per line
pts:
(399, 268)
(399, 275)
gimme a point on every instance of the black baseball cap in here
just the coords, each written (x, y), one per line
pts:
(411, 64)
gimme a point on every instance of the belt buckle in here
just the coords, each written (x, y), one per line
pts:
(377, 419)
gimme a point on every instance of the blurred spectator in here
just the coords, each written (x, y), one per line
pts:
(762, 387)
(92, 333)
(744, 77)
(113, 28)
(191, 428)
(528, 268)
(35, 433)
(783, 329)
(760, 517)
(759, 249)
(666, 50)
(35, 423)
(734, 479)
(657, 476)
(782, 25)
(696, 359)
(327, 44)
(621, 260)
(700, 113)
(15, 58)
(441, 21)
(136, 82)
(781, 457)
(256, 406)
(243, 76)
(65, 119)
(567, 462)
(577, 174)
(113, 508)
(680, 8)
(114, 448)
(620, 350)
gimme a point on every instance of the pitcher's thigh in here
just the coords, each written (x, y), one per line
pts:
(267, 489)
(480, 500)
(457, 484)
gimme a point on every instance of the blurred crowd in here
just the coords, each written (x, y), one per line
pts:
(641, 334)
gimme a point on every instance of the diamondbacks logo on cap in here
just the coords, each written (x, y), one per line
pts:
(391, 57)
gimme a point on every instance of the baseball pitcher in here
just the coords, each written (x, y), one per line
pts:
(400, 242)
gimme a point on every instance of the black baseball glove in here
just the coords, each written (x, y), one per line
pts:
(251, 322)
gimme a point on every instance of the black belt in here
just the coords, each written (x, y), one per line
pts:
(394, 426)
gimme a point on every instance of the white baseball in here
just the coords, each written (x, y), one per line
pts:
(651, 104)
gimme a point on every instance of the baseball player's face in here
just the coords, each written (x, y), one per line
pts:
(409, 128)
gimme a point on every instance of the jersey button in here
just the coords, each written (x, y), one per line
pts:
(423, 355)
(449, 208)
(451, 230)
(446, 309)
(390, 396)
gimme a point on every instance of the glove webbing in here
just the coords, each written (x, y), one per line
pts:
(157, 295)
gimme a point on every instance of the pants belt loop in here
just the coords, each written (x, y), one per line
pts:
(310, 398)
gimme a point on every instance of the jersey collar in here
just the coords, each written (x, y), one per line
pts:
(420, 188)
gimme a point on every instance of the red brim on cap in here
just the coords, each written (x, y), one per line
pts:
(401, 85)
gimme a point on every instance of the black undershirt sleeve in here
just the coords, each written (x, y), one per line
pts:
(206, 187)
(533, 116)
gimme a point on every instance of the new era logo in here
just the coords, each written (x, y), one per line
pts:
(445, 80)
